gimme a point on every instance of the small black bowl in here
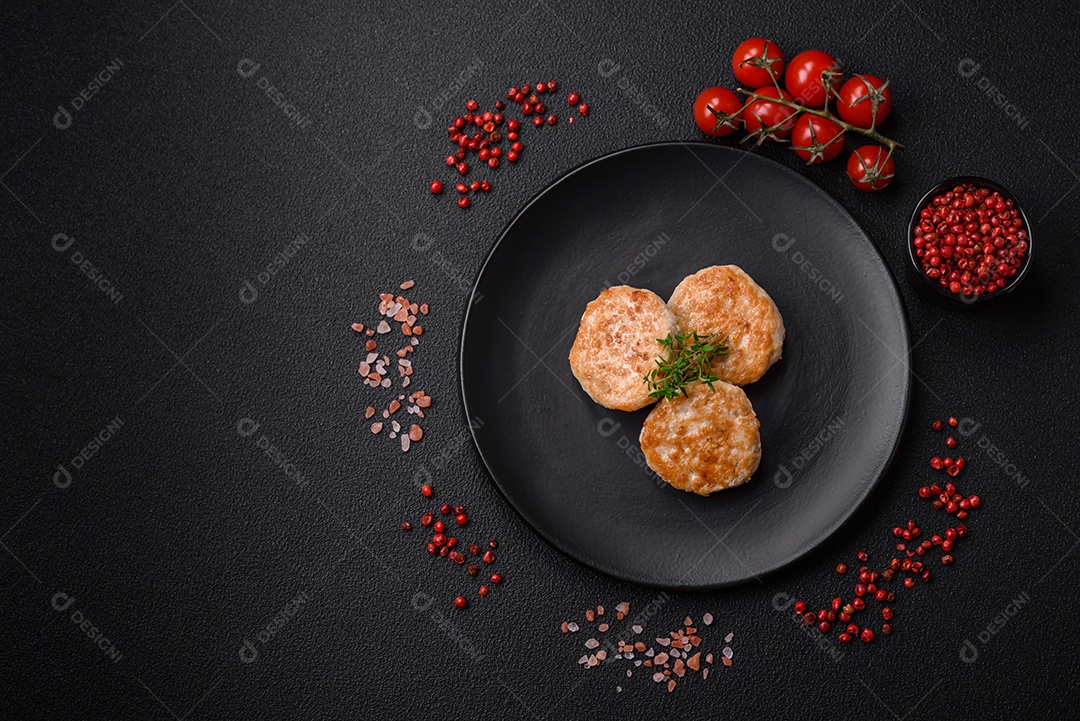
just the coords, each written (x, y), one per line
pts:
(946, 185)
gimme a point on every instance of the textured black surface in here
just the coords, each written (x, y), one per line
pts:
(646, 217)
(180, 538)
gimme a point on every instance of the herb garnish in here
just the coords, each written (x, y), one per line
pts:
(689, 358)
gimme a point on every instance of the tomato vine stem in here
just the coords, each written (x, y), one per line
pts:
(870, 133)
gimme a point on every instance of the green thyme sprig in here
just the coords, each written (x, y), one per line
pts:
(688, 359)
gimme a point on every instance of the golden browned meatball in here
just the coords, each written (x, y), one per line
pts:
(617, 344)
(725, 301)
(703, 442)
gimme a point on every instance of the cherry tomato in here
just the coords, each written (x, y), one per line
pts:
(766, 120)
(806, 75)
(864, 101)
(816, 140)
(871, 167)
(716, 111)
(757, 62)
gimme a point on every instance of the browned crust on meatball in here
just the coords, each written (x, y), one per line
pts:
(704, 442)
(725, 301)
(617, 344)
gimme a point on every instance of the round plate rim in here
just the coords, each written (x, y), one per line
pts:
(554, 542)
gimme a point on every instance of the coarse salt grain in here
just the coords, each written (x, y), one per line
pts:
(707, 618)
(636, 629)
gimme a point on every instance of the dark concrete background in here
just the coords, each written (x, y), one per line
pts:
(179, 539)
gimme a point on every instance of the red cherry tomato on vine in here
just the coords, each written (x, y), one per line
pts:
(805, 77)
(716, 111)
(766, 120)
(757, 62)
(871, 167)
(815, 139)
(864, 101)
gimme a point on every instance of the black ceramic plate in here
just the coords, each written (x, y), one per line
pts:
(831, 410)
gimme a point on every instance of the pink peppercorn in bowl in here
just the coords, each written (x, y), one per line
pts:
(970, 240)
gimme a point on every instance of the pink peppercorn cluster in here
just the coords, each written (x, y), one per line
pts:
(445, 545)
(483, 132)
(871, 585)
(971, 240)
(950, 465)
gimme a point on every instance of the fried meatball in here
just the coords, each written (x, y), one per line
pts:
(705, 441)
(617, 344)
(725, 301)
